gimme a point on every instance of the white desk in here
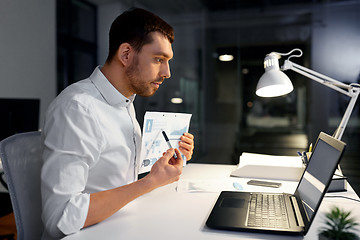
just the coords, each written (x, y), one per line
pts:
(168, 214)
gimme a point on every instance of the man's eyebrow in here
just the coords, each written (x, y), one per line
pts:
(162, 54)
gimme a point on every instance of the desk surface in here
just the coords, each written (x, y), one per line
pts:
(167, 214)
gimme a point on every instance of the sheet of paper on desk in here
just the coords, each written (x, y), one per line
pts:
(153, 142)
(208, 185)
(253, 165)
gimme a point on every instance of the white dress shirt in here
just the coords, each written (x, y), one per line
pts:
(92, 143)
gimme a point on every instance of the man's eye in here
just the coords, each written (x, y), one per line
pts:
(159, 60)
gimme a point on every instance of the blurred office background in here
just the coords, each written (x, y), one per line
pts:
(46, 45)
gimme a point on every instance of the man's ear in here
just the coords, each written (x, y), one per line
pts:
(125, 53)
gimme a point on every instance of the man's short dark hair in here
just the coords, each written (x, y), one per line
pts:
(133, 27)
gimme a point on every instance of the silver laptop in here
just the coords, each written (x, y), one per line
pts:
(281, 213)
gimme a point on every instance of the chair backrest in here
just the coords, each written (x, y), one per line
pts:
(21, 159)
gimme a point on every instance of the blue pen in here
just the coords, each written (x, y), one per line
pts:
(168, 142)
(302, 157)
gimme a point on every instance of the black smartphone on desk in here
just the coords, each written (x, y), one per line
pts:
(264, 183)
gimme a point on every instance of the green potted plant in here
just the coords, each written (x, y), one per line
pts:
(338, 226)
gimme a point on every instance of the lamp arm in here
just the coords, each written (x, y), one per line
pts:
(318, 77)
(341, 128)
(352, 92)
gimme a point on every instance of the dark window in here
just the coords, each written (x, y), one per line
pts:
(76, 41)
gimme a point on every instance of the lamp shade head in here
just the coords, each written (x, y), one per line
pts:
(273, 82)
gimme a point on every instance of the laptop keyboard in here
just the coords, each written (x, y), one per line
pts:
(267, 210)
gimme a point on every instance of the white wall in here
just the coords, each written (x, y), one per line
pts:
(28, 50)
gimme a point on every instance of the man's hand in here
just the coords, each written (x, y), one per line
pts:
(103, 204)
(167, 169)
(186, 145)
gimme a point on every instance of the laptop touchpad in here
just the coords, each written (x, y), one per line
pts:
(232, 203)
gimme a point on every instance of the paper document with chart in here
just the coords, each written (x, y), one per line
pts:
(153, 142)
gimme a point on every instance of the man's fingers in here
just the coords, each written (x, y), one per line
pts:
(187, 138)
(186, 145)
(178, 155)
(187, 151)
(188, 135)
(168, 154)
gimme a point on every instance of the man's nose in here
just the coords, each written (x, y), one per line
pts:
(165, 70)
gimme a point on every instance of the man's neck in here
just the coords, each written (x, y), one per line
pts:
(115, 74)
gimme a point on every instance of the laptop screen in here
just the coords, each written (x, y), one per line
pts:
(318, 174)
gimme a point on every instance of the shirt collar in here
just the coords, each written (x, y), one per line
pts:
(108, 91)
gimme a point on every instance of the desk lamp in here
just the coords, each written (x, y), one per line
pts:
(274, 83)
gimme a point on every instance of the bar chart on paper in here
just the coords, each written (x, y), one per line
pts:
(153, 142)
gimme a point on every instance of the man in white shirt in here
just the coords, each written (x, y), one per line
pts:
(92, 138)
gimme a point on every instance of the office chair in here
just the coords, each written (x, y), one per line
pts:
(21, 159)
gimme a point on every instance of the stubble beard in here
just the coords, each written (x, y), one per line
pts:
(140, 86)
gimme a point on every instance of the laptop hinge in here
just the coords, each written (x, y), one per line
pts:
(299, 219)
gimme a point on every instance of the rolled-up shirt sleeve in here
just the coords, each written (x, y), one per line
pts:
(72, 144)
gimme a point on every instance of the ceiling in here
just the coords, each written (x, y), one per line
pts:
(188, 6)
